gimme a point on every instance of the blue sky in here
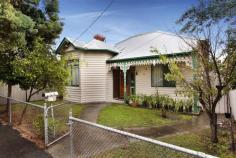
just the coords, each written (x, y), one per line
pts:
(123, 19)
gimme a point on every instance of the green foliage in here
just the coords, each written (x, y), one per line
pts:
(40, 70)
(207, 13)
(38, 125)
(13, 29)
(213, 54)
(45, 14)
(163, 102)
(134, 100)
(27, 30)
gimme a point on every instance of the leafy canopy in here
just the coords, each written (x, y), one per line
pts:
(40, 70)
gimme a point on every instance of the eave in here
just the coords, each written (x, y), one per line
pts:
(153, 57)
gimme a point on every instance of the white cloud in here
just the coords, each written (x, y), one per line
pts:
(87, 15)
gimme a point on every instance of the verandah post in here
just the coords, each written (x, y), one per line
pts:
(124, 71)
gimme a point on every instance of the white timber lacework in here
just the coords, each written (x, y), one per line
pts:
(127, 64)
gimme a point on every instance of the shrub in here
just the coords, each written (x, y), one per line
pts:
(163, 102)
(38, 125)
(134, 100)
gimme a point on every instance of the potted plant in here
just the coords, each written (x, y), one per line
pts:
(134, 100)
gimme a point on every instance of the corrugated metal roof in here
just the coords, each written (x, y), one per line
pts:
(141, 45)
(93, 45)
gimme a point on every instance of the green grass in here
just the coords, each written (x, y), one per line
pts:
(200, 141)
(142, 150)
(123, 116)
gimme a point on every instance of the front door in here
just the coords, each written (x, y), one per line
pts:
(118, 82)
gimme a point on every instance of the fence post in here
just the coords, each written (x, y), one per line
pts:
(45, 125)
(54, 129)
(71, 134)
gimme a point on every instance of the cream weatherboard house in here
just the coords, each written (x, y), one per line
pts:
(103, 73)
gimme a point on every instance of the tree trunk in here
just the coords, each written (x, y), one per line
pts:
(25, 108)
(213, 125)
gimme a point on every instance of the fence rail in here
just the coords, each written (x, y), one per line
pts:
(24, 116)
(44, 122)
(73, 137)
(145, 139)
(93, 140)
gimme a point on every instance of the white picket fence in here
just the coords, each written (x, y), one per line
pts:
(222, 108)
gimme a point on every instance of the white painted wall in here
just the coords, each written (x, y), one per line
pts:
(95, 77)
(221, 107)
(73, 94)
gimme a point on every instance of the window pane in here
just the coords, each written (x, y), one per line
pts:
(157, 76)
(75, 75)
(74, 72)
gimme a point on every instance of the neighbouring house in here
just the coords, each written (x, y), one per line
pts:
(104, 73)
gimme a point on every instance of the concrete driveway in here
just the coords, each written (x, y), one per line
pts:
(12, 145)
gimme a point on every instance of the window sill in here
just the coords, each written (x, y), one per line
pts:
(73, 86)
(162, 87)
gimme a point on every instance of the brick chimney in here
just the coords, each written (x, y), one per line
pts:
(99, 37)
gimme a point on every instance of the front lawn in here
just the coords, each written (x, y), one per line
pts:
(141, 149)
(123, 116)
(200, 141)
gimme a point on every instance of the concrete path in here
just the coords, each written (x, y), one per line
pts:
(12, 145)
(91, 111)
(84, 137)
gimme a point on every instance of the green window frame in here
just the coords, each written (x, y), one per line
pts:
(74, 72)
(158, 73)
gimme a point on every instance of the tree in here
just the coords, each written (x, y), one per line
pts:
(13, 28)
(207, 13)
(215, 55)
(45, 14)
(21, 23)
(40, 70)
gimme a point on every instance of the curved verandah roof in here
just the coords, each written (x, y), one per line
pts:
(137, 50)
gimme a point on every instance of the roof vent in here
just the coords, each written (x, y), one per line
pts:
(99, 37)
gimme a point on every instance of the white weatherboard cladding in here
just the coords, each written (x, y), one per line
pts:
(143, 82)
(73, 94)
(94, 77)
